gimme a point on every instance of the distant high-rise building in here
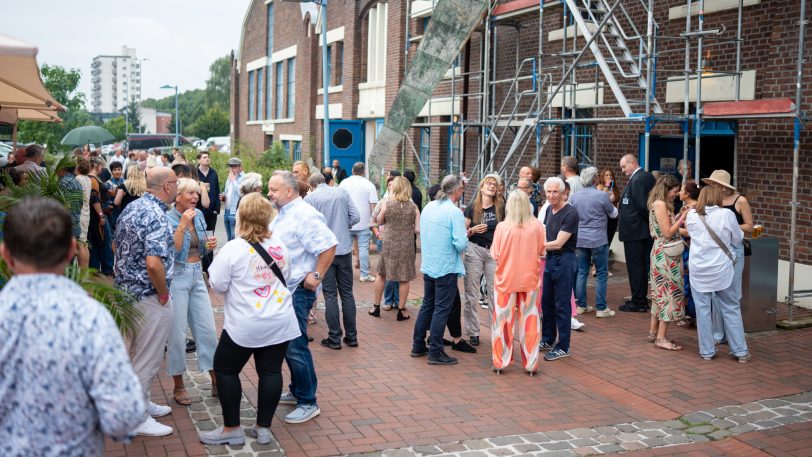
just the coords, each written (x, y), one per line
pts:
(115, 81)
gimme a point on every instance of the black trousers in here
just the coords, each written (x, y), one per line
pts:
(211, 223)
(229, 360)
(454, 324)
(638, 253)
(338, 281)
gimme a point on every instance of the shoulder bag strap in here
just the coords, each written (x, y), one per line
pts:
(270, 261)
(717, 240)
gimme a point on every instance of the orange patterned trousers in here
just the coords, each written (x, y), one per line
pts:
(506, 306)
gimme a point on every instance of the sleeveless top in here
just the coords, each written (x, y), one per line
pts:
(739, 217)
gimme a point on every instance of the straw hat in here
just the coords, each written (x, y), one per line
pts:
(719, 177)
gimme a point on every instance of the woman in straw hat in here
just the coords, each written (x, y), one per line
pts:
(734, 201)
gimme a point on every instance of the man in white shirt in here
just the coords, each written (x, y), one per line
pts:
(364, 197)
(231, 195)
(119, 157)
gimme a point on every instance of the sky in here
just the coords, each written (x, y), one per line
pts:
(178, 39)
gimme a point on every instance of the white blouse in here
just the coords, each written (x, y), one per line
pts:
(258, 309)
(710, 268)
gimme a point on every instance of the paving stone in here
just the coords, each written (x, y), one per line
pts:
(700, 430)
(698, 438)
(558, 435)
(466, 454)
(719, 434)
(767, 424)
(628, 436)
(739, 420)
(200, 416)
(786, 420)
(584, 451)
(536, 438)
(744, 428)
(505, 440)
(562, 453)
(609, 439)
(583, 433)
(272, 446)
(281, 454)
(760, 416)
(653, 433)
(526, 447)
(477, 444)
(648, 425)
(583, 442)
(752, 406)
(212, 402)
(367, 454)
(197, 407)
(557, 446)
(722, 423)
(451, 447)
(654, 442)
(501, 452)
(606, 430)
(675, 424)
(216, 450)
(426, 450)
(609, 448)
(697, 418)
(773, 403)
(805, 397)
(404, 453)
(628, 428)
(786, 411)
(677, 439)
(734, 410)
(206, 425)
(633, 446)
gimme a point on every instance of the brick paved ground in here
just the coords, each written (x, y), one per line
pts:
(376, 397)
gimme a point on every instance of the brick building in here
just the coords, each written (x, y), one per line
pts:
(369, 56)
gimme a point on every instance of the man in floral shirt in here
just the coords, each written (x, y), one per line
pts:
(144, 259)
(65, 378)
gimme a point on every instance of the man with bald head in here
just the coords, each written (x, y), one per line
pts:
(144, 258)
(633, 231)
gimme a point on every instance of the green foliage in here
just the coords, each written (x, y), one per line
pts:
(265, 164)
(191, 105)
(214, 122)
(218, 86)
(62, 85)
(41, 185)
(117, 128)
(132, 113)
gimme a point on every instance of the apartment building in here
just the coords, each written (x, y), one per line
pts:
(115, 81)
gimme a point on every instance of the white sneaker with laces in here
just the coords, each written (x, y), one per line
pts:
(575, 324)
(155, 410)
(151, 427)
(369, 278)
(605, 313)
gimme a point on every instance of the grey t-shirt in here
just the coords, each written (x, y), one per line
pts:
(594, 209)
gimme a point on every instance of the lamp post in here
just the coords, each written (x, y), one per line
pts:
(325, 76)
(177, 119)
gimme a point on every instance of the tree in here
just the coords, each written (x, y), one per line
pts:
(214, 122)
(134, 115)
(62, 85)
(116, 127)
(218, 86)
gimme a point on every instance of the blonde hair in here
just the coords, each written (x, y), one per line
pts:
(708, 196)
(255, 214)
(136, 182)
(518, 210)
(187, 185)
(401, 189)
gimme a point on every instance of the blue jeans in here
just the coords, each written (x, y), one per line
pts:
(727, 302)
(438, 299)
(363, 249)
(738, 271)
(192, 306)
(600, 257)
(303, 380)
(230, 220)
(391, 292)
(556, 308)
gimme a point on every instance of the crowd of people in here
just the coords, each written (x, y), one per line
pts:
(148, 221)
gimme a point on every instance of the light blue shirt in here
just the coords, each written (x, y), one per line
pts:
(442, 239)
(306, 235)
(232, 192)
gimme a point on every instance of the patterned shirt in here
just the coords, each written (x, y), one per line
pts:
(72, 191)
(143, 230)
(65, 377)
(303, 230)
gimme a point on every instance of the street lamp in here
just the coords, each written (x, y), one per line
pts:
(325, 77)
(177, 130)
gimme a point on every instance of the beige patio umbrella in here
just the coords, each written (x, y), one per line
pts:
(22, 94)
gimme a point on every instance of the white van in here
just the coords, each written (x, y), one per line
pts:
(223, 143)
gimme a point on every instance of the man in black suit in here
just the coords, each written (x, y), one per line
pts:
(338, 173)
(633, 230)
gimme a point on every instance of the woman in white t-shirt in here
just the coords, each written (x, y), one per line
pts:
(259, 320)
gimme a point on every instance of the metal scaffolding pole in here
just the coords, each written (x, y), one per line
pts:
(698, 123)
(686, 101)
(795, 157)
(649, 85)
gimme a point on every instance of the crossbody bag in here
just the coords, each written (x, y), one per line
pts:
(718, 241)
(270, 261)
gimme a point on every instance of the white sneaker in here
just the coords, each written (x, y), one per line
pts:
(151, 427)
(368, 278)
(575, 324)
(605, 313)
(158, 410)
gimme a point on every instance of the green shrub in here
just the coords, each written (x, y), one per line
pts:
(264, 164)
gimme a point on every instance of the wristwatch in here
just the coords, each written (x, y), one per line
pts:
(317, 275)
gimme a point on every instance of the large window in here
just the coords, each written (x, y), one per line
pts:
(329, 67)
(279, 88)
(268, 92)
(260, 94)
(339, 66)
(291, 108)
(425, 153)
(297, 151)
(376, 43)
(251, 100)
(583, 139)
(269, 50)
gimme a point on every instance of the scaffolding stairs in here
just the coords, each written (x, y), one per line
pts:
(622, 70)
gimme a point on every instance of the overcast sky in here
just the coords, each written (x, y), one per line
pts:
(179, 38)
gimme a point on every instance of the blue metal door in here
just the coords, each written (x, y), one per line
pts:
(347, 142)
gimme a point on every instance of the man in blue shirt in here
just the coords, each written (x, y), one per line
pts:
(443, 239)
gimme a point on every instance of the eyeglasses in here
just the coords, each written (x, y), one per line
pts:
(490, 184)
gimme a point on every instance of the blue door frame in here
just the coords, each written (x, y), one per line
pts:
(347, 142)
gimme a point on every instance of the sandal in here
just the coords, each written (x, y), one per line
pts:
(181, 396)
(669, 345)
(652, 337)
(401, 316)
(375, 311)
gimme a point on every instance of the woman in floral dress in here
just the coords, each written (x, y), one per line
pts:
(665, 274)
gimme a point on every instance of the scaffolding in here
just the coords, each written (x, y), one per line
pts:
(601, 41)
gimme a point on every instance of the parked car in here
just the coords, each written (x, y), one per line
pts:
(5, 148)
(222, 143)
(147, 141)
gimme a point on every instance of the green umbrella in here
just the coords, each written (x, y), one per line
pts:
(89, 134)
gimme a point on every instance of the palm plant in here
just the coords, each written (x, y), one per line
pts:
(45, 184)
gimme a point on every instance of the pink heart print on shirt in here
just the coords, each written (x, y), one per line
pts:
(263, 292)
(275, 252)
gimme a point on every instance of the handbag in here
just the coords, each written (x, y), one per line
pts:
(715, 237)
(674, 248)
(270, 261)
